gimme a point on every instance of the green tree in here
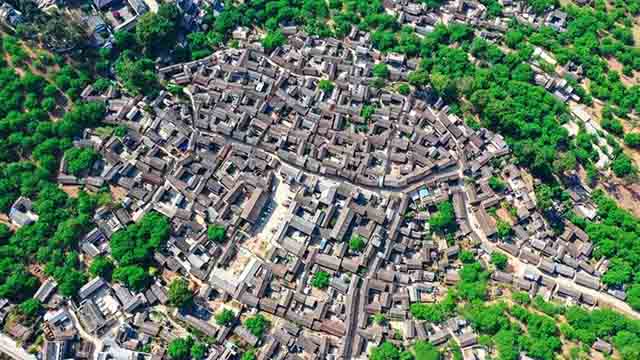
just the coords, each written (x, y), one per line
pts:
(216, 233)
(30, 308)
(80, 159)
(101, 266)
(622, 166)
(273, 39)
(443, 221)
(367, 112)
(499, 259)
(380, 70)
(326, 85)
(137, 75)
(257, 325)
(356, 243)
(180, 349)
(179, 293)
(386, 351)
(467, 256)
(496, 184)
(198, 351)
(136, 243)
(521, 297)
(404, 89)
(133, 276)
(157, 31)
(248, 355)
(225, 317)
(503, 229)
(379, 319)
(320, 280)
(632, 140)
(5, 233)
(425, 351)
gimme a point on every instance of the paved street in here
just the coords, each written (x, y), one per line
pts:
(10, 348)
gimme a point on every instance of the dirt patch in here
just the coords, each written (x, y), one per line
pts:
(503, 214)
(71, 190)
(117, 193)
(258, 245)
(4, 219)
(624, 196)
(614, 64)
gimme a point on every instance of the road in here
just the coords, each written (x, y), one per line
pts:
(11, 349)
(84, 334)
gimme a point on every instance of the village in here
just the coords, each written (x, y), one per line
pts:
(313, 174)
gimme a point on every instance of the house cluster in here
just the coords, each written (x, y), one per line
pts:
(9, 15)
(554, 261)
(295, 173)
(253, 144)
(306, 179)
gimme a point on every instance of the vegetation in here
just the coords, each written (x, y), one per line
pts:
(499, 259)
(356, 243)
(216, 233)
(273, 39)
(404, 89)
(320, 280)
(380, 70)
(614, 237)
(388, 351)
(257, 325)
(249, 355)
(30, 308)
(225, 317)
(80, 160)
(436, 313)
(198, 351)
(379, 319)
(326, 85)
(632, 140)
(137, 75)
(425, 351)
(185, 349)
(443, 221)
(503, 229)
(496, 184)
(179, 293)
(133, 249)
(101, 266)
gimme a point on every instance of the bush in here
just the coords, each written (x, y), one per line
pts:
(101, 266)
(404, 89)
(357, 243)
(380, 71)
(225, 317)
(179, 293)
(326, 85)
(499, 259)
(30, 308)
(257, 325)
(216, 233)
(496, 184)
(320, 280)
(80, 159)
(632, 140)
